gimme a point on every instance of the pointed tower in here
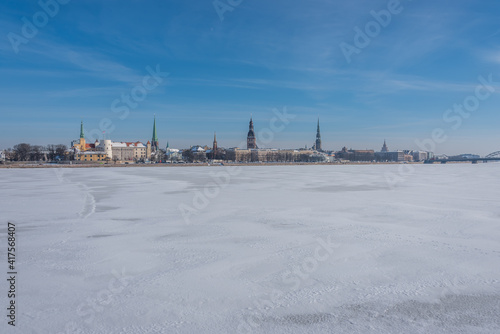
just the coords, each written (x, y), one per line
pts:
(82, 145)
(384, 148)
(317, 145)
(251, 143)
(154, 141)
(81, 131)
(214, 148)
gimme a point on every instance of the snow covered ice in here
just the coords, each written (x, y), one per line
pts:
(274, 249)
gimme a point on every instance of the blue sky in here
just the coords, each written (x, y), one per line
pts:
(263, 56)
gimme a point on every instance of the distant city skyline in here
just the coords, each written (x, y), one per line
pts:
(370, 70)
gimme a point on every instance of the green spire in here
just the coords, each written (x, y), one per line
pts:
(155, 136)
(81, 131)
(167, 145)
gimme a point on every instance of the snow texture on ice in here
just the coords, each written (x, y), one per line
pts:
(275, 249)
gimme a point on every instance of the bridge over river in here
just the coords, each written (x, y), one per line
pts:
(495, 156)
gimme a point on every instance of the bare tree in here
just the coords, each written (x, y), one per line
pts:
(51, 149)
(61, 151)
(188, 155)
(22, 152)
(36, 153)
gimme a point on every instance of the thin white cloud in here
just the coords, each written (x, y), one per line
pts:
(83, 61)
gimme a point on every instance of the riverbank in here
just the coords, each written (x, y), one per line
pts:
(104, 165)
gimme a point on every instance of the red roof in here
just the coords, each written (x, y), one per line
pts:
(128, 144)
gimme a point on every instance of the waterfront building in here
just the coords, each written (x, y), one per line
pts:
(130, 151)
(355, 155)
(420, 155)
(91, 156)
(87, 152)
(81, 145)
(117, 151)
(390, 156)
(173, 154)
(272, 155)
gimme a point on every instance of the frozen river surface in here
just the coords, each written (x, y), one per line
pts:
(275, 249)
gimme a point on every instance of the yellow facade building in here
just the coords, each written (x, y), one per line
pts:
(91, 156)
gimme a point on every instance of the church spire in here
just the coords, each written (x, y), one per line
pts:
(81, 131)
(318, 138)
(214, 148)
(154, 141)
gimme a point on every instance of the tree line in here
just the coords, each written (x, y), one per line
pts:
(27, 152)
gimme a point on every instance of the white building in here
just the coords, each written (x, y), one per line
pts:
(173, 154)
(128, 150)
(198, 149)
(106, 146)
(420, 155)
